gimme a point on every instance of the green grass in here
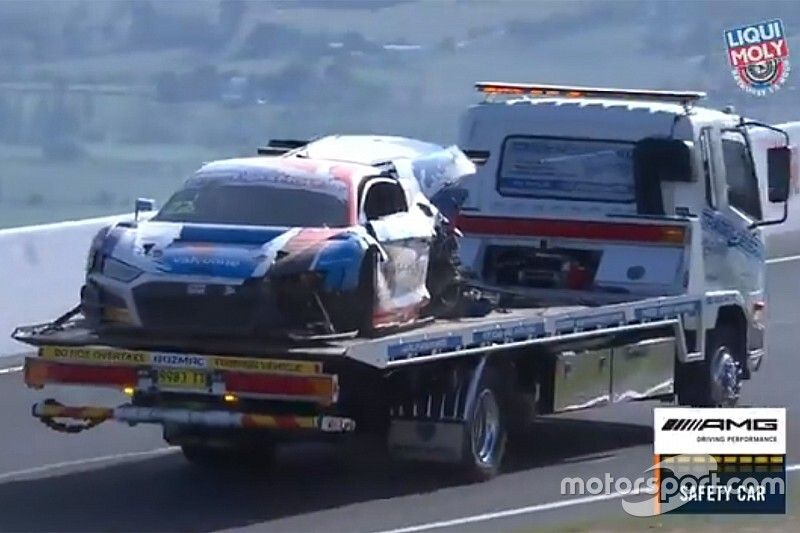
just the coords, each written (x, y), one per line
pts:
(34, 191)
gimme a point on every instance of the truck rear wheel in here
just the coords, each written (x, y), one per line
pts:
(716, 381)
(485, 430)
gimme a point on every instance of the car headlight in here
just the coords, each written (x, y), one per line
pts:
(119, 271)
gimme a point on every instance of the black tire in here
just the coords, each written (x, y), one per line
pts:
(260, 457)
(716, 381)
(485, 430)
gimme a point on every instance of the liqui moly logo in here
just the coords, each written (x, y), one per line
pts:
(758, 55)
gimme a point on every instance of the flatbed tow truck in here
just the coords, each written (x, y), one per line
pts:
(455, 389)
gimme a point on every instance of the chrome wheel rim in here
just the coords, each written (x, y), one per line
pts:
(486, 427)
(725, 382)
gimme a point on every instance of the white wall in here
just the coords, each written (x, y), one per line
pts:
(41, 272)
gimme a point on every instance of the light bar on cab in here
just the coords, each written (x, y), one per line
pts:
(492, 88)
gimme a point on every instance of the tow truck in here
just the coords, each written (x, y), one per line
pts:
(617, 234)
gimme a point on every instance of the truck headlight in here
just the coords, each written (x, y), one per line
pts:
(119, 271)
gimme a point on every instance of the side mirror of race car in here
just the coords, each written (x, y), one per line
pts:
(142, 205)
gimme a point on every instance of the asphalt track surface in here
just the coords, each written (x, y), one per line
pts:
(116, 478)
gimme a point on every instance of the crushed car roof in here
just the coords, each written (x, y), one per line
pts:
(368, 149)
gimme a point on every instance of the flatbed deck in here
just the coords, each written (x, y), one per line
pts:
(442, 338)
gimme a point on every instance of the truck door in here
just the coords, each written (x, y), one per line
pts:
(729, 237)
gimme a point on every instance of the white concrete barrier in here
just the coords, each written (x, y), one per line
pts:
(41, 272)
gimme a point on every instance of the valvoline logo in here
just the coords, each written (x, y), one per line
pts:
(217, 261)
(758, 55)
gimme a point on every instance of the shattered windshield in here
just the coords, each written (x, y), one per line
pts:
(567, 169)
(254, 205)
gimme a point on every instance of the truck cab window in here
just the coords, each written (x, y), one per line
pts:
(742, 182)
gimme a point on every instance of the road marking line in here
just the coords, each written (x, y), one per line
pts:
(525, 510)
(11, 369)
(786, 259)
(91, 460)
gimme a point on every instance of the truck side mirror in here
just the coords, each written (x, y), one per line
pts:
(142, 205)
(663, 160)
(779, 161)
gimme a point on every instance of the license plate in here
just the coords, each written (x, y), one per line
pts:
(182, 379)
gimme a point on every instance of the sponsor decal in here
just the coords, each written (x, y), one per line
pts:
(195, 289)
(290, 179)
(266, 365)
(523, 331)
(728, 235)
(716, 299)
(589, 322)
(758, 55)
(689, 308)
(407, 349)
(715, 431)
(178, 360)
(94, 355)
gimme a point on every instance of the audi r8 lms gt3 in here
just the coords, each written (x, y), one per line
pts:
(265, 245)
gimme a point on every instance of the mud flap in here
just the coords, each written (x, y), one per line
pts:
(433, 428)
(427, 441)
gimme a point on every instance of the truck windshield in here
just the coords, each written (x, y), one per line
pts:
(254, 205)
(567, 169)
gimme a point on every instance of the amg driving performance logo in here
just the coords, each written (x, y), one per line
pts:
(722, 424)
(718, 461)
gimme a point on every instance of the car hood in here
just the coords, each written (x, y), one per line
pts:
(237, 252)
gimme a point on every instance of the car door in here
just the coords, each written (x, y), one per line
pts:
(404, 234)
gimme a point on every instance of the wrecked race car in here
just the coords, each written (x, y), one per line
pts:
(284, 245)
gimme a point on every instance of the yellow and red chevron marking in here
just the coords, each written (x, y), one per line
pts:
(79, 413)
(278, 421)
(245, 420)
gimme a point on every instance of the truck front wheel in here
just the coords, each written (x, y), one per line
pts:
(716, 381)
(485, 429)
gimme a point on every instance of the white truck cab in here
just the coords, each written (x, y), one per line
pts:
(607, 195)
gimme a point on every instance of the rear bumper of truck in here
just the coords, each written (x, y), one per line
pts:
(190, 390)
(130, 414)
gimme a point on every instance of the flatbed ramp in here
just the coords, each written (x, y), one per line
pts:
(440, 339)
